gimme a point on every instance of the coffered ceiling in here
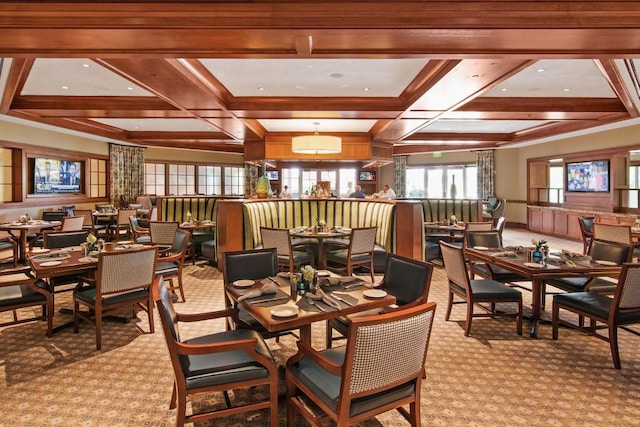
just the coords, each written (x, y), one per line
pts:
(419, 76)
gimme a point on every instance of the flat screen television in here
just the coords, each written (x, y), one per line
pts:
(53, 176)
(591, 176)
(367, 176)
(273, 175)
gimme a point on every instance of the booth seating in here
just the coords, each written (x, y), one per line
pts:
(334, 212)
(201, 208)
(466, 210)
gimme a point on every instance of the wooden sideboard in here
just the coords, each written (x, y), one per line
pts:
(564, 222)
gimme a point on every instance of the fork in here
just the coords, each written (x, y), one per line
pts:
(315, 304)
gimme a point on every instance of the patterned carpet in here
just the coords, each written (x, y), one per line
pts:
(492, 378)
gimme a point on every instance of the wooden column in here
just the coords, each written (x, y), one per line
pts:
(409, 229)
(229, 227)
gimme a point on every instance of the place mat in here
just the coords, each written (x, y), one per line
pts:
(349, 300)
(268, 300)
(317, 307)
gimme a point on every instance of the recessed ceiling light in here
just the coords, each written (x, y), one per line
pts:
(85, 65)
(65, 87)
(129, 88)
(366, 89)
(261, 89)
(504, 89)
(540, 70)
(337, 75)
(566, 90)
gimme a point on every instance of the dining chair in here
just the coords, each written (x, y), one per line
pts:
(170, 264)
(220, 361)
(89, 223)
(359, 252)
(379, 369)
(280, 239)
(405, 278)
(586, 231)
(122, 227)
(500, 224)
(252, 265)
(35, 239)
(492, 239)
(8, 243)
(612, 313)
(140, 234)
(469, 227)
(123, 278)
(18, 289)
(598, 250)
(478, 291)
(72, 223)
(162, 233)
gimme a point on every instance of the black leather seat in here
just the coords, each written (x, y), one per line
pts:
(18, 289)
(407, 279)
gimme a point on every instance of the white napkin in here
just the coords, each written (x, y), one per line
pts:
(570, 254)
(269, 288)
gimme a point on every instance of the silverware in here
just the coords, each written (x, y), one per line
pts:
(315, 304)
(268, 300)
(273, 280)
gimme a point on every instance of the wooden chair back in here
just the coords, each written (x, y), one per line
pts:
(163, 232)
(72, 223)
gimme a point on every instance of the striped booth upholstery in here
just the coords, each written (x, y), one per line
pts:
(335, 212)
(467, 210)
(176, 208)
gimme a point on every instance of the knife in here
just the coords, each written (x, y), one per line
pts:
(341, 299)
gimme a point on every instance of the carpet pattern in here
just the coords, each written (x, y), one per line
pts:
(494, 377)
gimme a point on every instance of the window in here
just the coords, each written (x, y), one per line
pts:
(6, 183)
(436, 181)
(182, 179)
(98, 178)
(291, 178)
(556, 184)
(233, 181)
(154, 178)
(347, 176)
(209, 180)
(634, 186)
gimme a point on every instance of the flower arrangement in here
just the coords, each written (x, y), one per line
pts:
(307, 273)
(453, 220)
(541, 245)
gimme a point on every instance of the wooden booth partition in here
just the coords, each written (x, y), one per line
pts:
(409, 224)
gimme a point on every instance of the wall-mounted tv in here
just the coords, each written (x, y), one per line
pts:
(367, 176)
(273, 175)
(51, 176)
(591, 176)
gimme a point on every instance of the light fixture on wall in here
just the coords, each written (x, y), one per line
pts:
(316, 143)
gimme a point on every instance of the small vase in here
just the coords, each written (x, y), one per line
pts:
(536, 256)
(303, 286)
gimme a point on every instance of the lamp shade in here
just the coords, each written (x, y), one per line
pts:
(316, 144)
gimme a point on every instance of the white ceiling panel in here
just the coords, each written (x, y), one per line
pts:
(77, 77)
(324, 125)
(556, 78)
(315, 77)
(481, 126)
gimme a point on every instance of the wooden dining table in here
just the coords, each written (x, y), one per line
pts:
(304, 318)
(554, 269)
(24, 229)
(320, 236)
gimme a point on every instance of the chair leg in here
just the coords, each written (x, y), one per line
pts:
(273, 392)
(613, 343)
(76, 317)
(467, 327)
(446, 316)
(181, 288)
(182, 410)
(174, 395)
(329, 334)
(555, 317)
(98, 329)
(152, 326)
(519, 318)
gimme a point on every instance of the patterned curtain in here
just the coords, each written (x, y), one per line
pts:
(127, 173)
(250, 179)
(486, 174)
(400, 171)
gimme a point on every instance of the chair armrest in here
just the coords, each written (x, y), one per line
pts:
(26, 278)
(308, 351)
(194, 349)
(26, 270)
(174, 257)
(197, 317)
